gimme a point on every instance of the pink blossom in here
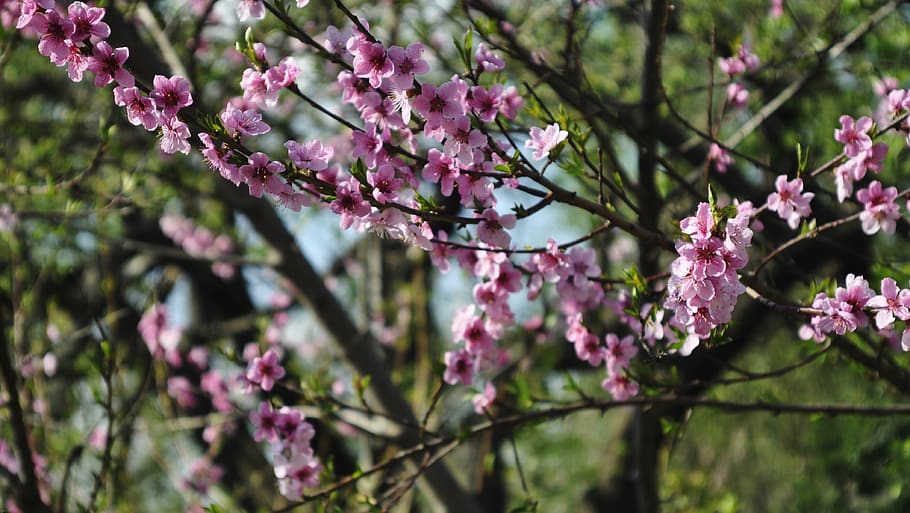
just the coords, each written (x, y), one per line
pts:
(379, 110)
(893, 303)
(8, 459)
(368, 146)
(731, 66)
(438, 104)
(700, 225)
(107, 64)
(550, 265)
(171, 94)
(260, 175)
(213, 384)
(619, 352)
(462, 141)
(202, 475)
(720, 157)
(493, 300)
(310, 155)
(174, 135)
(408, 62)
(868, 159)
(880, 212)
(385, 184)
(510, 102)
(180, 388)
(282, 74)
(76, 64)
(27, 10)
(777, 9)
(55, 33)
(87, 22)
(790, 203)
(265, 420)
(620, 386)
(239, 123)
(542, 141)
(440, 168)
(294, 474)
(372, 62)
(749, 59)
(588, 349)
(484, 400)
(140, 110)
(218, 158)
(159, 335)
(854, 134)
(492, 228)
(486, 103)
(487, 60)
(256, 90)
(737, 94)
(349, 203)
(898, 101)
(265, 370)
(459, 367)
(247, 9)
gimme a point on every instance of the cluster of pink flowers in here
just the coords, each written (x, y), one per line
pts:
(616, 353)
(480, 325)
(202, 473)
(704, 285)
(852, 306)
(296, 465)
(76, 40)
(862, 154)
(199, 242)
(162, 339)
(743, 61)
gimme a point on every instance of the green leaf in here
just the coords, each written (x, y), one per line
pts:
(468, 54)
(425, 203)
(571, 385)
(522, 391)
(802, 159)
(359, 170)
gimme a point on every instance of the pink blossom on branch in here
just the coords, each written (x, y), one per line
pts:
(265, 370)
(879, 210)
(262, 175)
(720, 157)
(492, 228)
(854, 134)
(140, 109)
(790, 202)
(107, 64)
(893, 303)
(542, 141)
(171, 94)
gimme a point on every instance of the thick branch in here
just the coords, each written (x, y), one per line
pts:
(650, 120)
(28, 495)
